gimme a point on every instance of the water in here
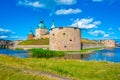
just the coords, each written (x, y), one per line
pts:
(15, 53)
(111, 55)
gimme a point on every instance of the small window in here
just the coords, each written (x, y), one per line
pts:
(70, 39)
(65, 46)
(63, 33)
(53, 34)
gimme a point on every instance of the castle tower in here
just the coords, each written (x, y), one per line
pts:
(53, 24)
(41, 30)
(65, 39)
(30, 35)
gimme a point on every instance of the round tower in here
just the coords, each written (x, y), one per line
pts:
(30, 35)
(41, 30)
(65, 39)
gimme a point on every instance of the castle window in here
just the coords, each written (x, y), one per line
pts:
(63, 33)
(70, 39)
(65, 46)
(53, 34)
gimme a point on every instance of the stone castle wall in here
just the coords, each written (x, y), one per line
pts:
(40, 33)
(30, 37)
(65, 38)
(108, 43)
(88, 45)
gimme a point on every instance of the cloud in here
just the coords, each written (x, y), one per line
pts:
(68, 11)
(97, 0)
(45, 3)
(99, 33)
(66, 2)
(35, 4)
(106, 35)
(85, 23)
(3, 37)
(4, 30)
(8, 34)
(119, 28)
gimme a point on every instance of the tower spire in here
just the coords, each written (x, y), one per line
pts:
(41, 20)
(53, 24)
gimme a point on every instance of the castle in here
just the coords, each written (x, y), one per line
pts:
(40, 32)
(65, 38)
(60, 38)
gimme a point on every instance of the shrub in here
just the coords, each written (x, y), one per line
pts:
(41, 53)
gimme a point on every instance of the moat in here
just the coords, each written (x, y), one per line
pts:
(111, 54)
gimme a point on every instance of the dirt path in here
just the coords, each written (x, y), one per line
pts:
(28, 71)
(50, 75)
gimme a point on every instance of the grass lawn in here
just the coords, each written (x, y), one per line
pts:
(87, 50)
(15, 69)
(35, 42)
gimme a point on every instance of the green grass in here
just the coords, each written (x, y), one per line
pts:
(41, 53)
(91, 49)
(73, 69)
(19, 49)
(87, 50)
(35, 42)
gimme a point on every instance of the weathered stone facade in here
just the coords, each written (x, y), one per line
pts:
(30, 36)
(40, 33)
(108, 43)
(65, 38)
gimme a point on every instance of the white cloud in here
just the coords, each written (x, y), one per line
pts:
(106, 35)
(36, 4)
(99, 33)
(49, 4)
(68, 11)
(85, 23)
(8, 34)
(119, 28)
(3, 37)
(4, 30)
(97, 0)
(66, 2)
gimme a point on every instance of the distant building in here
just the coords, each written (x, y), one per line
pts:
(108, 43)
(40, 32)
(30, 35)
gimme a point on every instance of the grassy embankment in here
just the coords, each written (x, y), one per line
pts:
(46, 42)
(17, 69)
(35, 42)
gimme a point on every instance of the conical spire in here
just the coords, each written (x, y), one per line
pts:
(41, 24)
(41, 20)
(53, 24)
(30, 32)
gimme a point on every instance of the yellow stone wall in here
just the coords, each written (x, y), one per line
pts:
(40, 33)
(65, 38)
(108, 43)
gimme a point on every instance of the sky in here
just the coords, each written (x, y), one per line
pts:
(98, 19)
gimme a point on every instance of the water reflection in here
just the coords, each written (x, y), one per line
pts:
(111, 54)
(16, 53)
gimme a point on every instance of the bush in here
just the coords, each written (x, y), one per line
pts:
(41, 53)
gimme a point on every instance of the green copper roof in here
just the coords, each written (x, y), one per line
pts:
(30, 32)
(41, 25)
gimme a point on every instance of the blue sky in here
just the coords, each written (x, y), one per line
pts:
(99, 19)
